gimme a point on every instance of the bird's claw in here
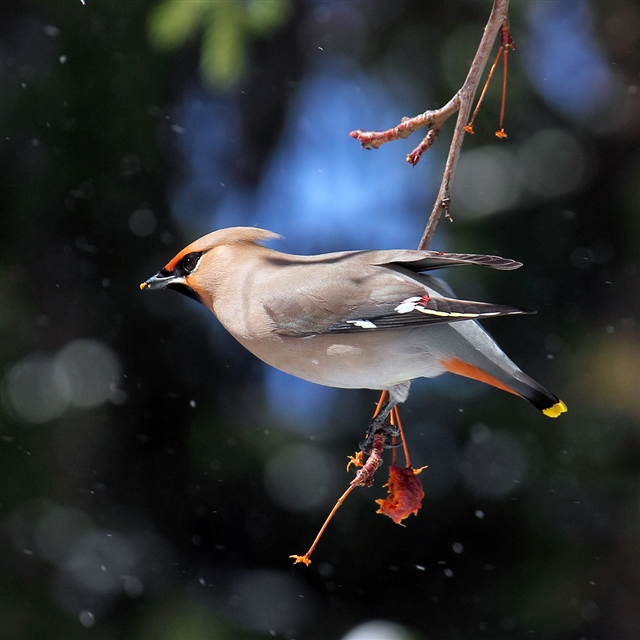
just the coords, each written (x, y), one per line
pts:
(380, 424)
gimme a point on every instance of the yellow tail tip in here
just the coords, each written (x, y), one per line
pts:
(143, 286)
(558, 408)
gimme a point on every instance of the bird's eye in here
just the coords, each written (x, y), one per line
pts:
(189, 262)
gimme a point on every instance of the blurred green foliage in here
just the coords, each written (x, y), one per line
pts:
(226, 29)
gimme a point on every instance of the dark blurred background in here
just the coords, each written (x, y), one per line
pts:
(155, 477)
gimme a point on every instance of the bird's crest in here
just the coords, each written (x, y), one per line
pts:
(232, 235)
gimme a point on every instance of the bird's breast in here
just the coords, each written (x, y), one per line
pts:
(363, 361)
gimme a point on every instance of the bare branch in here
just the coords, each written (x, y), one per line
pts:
(497, 20)
(432, 119)
(461, 103)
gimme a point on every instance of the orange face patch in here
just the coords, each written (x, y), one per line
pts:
(173, 263)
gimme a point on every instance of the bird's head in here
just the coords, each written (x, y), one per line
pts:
(195, 270)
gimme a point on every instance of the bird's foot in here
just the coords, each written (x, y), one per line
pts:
(381, 424)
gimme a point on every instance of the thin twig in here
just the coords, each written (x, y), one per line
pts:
(363, 478)
(461, 103)
(432, 119)
(466, 94)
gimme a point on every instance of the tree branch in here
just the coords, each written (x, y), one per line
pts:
(497, 19)
(462, 103)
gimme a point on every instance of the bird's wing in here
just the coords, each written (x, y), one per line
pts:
(420, 261)
(353, 293)
(420, 311)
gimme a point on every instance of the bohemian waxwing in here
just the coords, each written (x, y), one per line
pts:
(353, 319)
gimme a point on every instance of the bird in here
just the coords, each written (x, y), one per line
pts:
(368, 319)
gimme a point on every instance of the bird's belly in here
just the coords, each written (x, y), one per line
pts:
(361, 362)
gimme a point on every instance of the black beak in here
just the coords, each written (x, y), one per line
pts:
(159, 281)
(165, 280)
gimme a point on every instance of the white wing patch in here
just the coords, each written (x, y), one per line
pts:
(408, 305)
(363, 324)
(417, 303)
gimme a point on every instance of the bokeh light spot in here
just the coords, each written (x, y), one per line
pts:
(86, 372)
(30, 390)
(143, 222)
(486, 181)
(563, 60)
(378, 630)
(130, 165)
(87, 619)
(58, 529)
(98, 561)
(267, 600)
(553, 163)
(298, 477)
(493, 463)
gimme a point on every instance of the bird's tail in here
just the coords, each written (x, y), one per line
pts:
(538, 396)
(518, 383)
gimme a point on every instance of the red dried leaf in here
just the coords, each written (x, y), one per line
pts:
(405, 494)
